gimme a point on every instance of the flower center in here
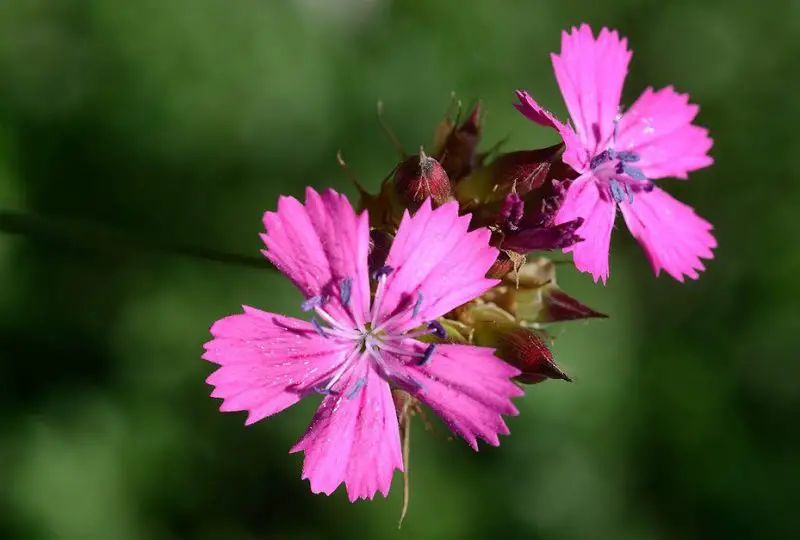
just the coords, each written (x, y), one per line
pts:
(615, 171)
(373, 337)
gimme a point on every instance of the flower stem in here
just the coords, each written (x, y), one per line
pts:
(103, 240)
(406, 428)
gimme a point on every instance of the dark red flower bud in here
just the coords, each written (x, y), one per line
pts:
(522, 348)
(419, 178)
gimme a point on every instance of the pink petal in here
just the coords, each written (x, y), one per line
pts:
(320, 244)
(674, 237)
(353, 438)
(575, 155)
(267, 361)
(659, 128)
(585, 199)
(470, 388)
(590, 73)
(434, 255)
(534, 112)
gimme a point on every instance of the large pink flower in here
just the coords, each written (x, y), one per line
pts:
(618, 155)
(359, 345)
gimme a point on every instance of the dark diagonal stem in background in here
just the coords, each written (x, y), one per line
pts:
(93, 237)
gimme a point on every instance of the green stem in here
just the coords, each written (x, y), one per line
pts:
(85, 235)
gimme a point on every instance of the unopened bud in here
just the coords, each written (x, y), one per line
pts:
(522, 348)
(419, 178)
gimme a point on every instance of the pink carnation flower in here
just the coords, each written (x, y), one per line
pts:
(619, 155)
(359, 345)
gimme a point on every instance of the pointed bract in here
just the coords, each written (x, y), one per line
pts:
(533, 297)
(457, 151)
(520, 347)
(560, 307)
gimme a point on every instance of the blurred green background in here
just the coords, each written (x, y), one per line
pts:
(182, 121)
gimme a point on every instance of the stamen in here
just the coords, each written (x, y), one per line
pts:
(649, 186)
(379, 275)
(381, 366)
(629, 192)
(397, 378)
(359, 384)
(318, 327)
(340, 329)
(616, 128)
(383, 346)
(612, 153)
(633, 172)
(345, 290)
(630, 157)
(616, 190)
(417, 305)
(325, 391)
(343, 368)
(599, 159)
(383, 271)
(427, 355)
(437, 329)
(311, 303)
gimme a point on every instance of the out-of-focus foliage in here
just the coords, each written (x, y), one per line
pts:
(184, 119)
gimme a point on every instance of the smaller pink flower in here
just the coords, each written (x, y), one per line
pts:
(359, 345)
(619, 155)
